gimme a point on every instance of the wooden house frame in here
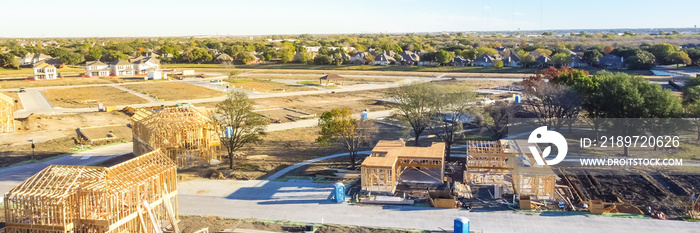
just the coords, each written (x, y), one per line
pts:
(389, 159)
(137, 195)
(185, 134)
(7, 109)
(491, 162)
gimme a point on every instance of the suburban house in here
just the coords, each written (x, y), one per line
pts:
(331, 79)
(611, 61)
(385, 58)
(577, 62)
(409, 58)
(96, 69)
(223, 59)
(143, 64)
(358, 58)
(511, 61)
(543, 61)
(121, 67)
(44, 71)
(484, 60)
(32, 58)
(459, 61)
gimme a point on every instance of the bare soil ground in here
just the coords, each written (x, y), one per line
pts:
(476, 84)
(347, 79)
(15, 96)
(316, 104)
(216, 224)
(60, 82)
(90, 97)
(265, 85)
(107, 134)
(55, 135)
(283, 148)
(174, 91)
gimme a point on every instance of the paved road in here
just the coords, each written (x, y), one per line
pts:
(10, 177)
(305, 201)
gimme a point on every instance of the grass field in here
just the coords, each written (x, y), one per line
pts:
(175, 91)
(87, 97)
(263, 85)
(26, 72)
(14, 95)
(418, 69)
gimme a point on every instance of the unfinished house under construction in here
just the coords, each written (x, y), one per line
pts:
(391, 163)
(509, 168)
(139, 195)
(7, 119)
(185, 134)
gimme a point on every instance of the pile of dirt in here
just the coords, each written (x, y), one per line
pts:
(43, 149)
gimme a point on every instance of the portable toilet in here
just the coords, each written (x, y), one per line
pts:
(517, 99)
(363, 115)
(228, 131)
(461, 225)
(339, 192)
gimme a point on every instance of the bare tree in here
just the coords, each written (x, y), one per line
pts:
(413, 104)
(498, 116)
(553, 104)
(242, 126)
(451, 108)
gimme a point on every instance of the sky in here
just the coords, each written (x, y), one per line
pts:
(133, 18)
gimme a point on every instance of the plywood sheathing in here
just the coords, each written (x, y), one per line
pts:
(7, 119)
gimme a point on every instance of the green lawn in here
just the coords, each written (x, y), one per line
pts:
(27, 72)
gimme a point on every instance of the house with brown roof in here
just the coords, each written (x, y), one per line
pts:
(44, 71)
(223, 59)
(143, 64)
(120, 68)
(331, 79)
(96, 69)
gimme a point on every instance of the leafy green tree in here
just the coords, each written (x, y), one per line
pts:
(641, 61)
(561, 59)
(197, 55)
(245, 57)
(694, 55)
(679, 58)
(443, 57)
(71, 58)
(543, 51)
(235, 114)
(7, 60)
(304, 57)
(485, 50)
(662, 52)
(113, 55)
(322, 59)
(286, 53)
(95, 53)
(498, 64)
(338, 125)
(592, 55)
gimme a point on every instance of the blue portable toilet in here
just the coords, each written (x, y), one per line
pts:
(461, 225)
(363, 115)
(339, 192)
(517, 99)
(228, 131)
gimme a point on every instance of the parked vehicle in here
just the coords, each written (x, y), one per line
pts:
(22, 89)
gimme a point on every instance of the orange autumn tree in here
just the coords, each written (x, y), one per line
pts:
(565, 76)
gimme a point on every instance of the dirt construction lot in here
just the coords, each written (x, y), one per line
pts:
(264, 85)
(87, 97)
(174, 91)
(14, 95)
(216, 224)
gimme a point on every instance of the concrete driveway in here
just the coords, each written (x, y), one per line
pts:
(305, 201)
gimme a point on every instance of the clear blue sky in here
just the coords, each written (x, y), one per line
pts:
(73, 18)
